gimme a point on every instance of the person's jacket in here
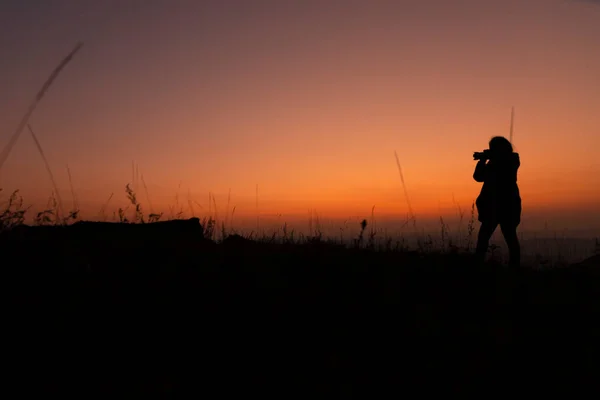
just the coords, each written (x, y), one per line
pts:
(499, 198)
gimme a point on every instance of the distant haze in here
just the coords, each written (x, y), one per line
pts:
(308, 100)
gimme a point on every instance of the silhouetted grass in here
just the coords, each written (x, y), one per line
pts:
(170, 314)
(461, 240)
(283, 315)
(38, 98)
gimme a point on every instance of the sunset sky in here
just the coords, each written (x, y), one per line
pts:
(306, 99)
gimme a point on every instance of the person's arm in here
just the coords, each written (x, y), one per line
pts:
(480, 169)
(517, 160)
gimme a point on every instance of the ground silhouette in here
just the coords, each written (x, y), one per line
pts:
(157, 309)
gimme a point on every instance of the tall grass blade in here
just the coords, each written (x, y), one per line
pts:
(103, 209)
(147, 194)
(190, 204)
(39, 147)
(73, 195)
(227, 209)
(410, 209)
(215, 207)
(512, 120)
(6, 151)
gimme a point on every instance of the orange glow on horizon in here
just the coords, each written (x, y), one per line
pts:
(309, 102)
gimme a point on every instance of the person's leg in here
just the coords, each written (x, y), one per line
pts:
(509, 231)
(483, 240)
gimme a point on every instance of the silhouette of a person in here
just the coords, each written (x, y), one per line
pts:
(499, 202)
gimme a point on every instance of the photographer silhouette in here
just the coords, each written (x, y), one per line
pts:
(499, 202)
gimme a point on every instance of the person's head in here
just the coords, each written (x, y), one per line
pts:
(500, 146)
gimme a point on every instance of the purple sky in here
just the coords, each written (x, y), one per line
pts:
(307, 99)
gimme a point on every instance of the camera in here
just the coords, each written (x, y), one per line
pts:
(484, 155)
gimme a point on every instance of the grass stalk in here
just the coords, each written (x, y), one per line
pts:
(23, 123)
(50, 174)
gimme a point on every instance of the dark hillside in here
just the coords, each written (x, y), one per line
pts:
(157, 309)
